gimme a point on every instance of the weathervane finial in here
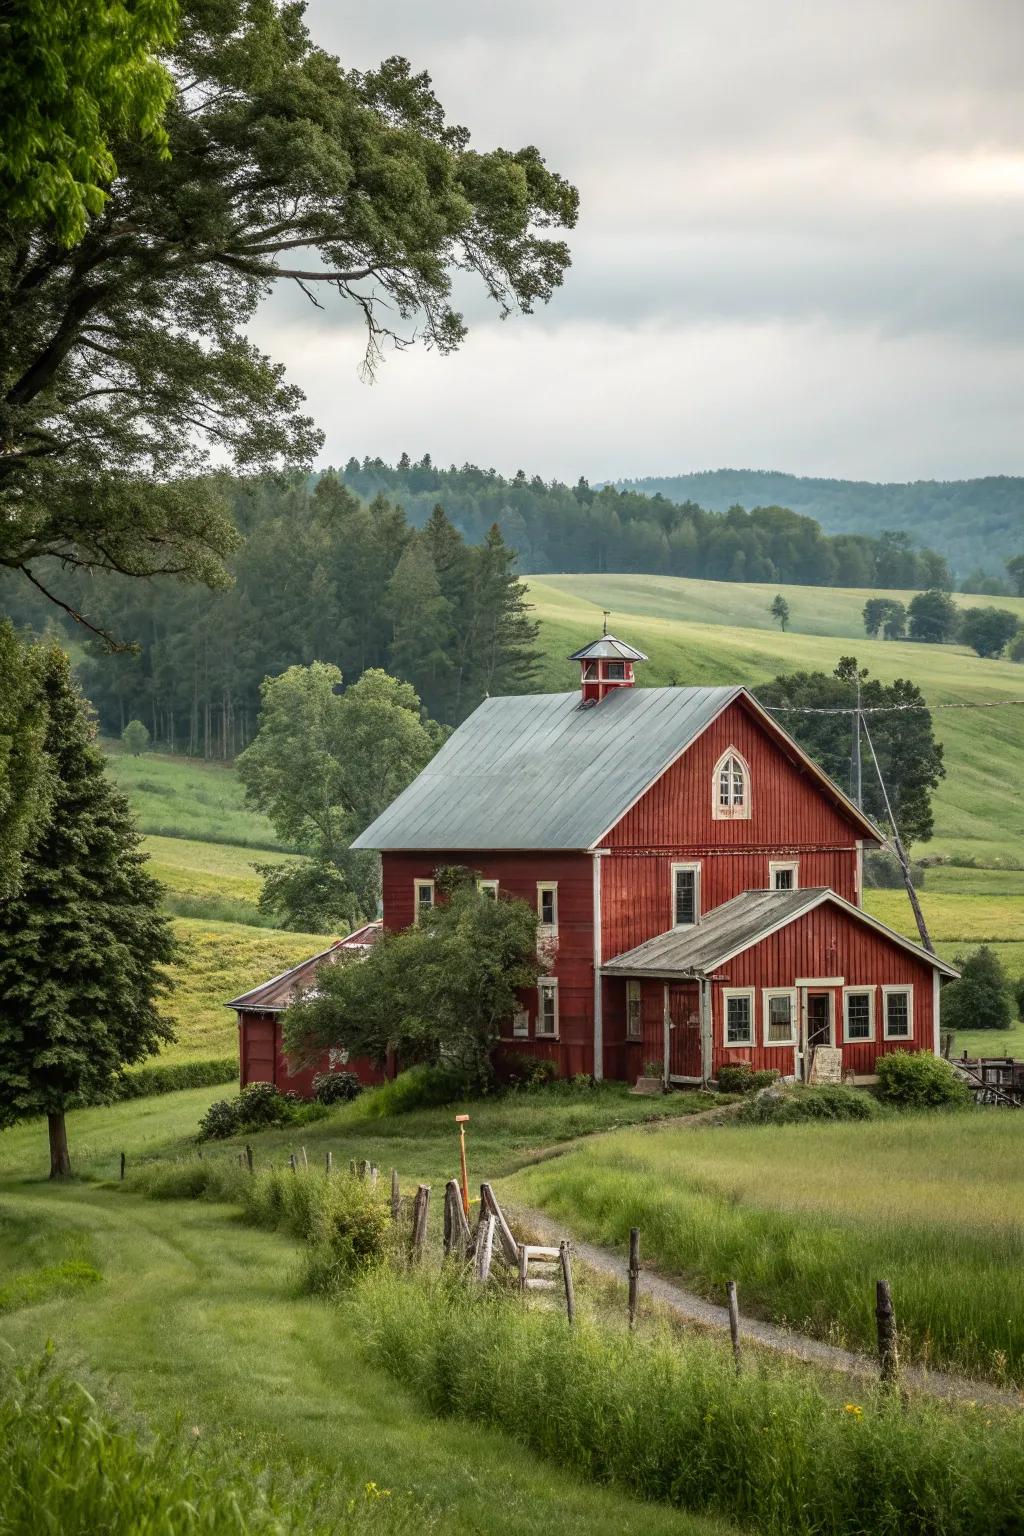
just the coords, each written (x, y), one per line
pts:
(607, 615)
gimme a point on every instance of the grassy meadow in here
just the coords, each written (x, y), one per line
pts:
(189, 798)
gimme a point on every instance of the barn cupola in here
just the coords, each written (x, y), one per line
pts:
(605, 664)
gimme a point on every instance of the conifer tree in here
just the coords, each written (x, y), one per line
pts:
(83, 942)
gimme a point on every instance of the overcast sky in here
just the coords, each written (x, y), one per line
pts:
(800, 240)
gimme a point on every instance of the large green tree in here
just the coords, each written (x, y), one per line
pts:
(83, 943)
(437, 992)
(988, 630)
(817, 707)
(127, 367)
(25, 776)
(934, 617)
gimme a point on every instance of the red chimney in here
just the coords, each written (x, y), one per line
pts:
(605, 664)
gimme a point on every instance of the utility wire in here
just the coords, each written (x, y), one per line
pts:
(901, 852)
(886, 709)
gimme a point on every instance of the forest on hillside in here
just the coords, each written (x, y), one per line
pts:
(975, 524)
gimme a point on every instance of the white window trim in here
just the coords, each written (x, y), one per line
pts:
(738, 1045)
(488, 885)
(694, 866)
(546, 984)
(886, 991)
(794, 1015)
(634, 990)
(776, 864)
(731, 812)
(869, 1038)
(521, 1024)
(548, 929)
(416, 886)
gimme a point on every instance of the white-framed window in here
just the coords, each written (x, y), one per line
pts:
(779, 1007)
(738, 1015)
(547, 904)
(634, 1018)
(337, 1057)
(488, 888)
(730, 788)
(685, 895)
(521, 1024)
(898, 1012)
(422, 898)
(783, 874)
(858, 1014)
(547, 1008)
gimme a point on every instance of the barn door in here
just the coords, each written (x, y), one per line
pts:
(684, 1030)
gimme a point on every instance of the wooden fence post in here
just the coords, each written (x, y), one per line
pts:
(634, 1274)
(328, 1163)
(293, 1165)
(419, 1221)
(363, 1167)
(305, 1159)
(484, 1246)
(396, 1196)
(374, 1174)
(249, 1158)
(888, 1344)
(457, 1237)
(734, 1321)
(570, 1294)
(508, 1243)
(352, 1166)
(123, 1160)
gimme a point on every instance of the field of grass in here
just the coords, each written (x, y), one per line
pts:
(208, 879)
(184, 797)
(806, 1217)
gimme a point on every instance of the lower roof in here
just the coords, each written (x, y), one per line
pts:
(737, 925)
(275, 995)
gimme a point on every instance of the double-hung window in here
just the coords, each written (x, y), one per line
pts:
(547, 904)
(422, 898)
(898, 1003)
(547, 1008)
(858, 1014)
(685, 895)
(634, 1021)
(488, 888)
(779, 1017)
(738, 1008)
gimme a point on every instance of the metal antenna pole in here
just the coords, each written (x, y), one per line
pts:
(901, 852)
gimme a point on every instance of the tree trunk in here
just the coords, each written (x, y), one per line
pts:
(60, 1158)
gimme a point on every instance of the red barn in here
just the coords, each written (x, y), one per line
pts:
(697, 878)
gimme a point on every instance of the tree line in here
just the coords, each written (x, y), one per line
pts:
(556, 527)
(933, 618)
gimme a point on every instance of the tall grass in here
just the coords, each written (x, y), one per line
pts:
(806, 1218)
(669, 1420)
(66, 1466)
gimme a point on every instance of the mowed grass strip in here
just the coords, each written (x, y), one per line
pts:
(807, 1217)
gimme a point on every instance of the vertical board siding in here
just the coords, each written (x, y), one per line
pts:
(517, 875)
(262, 1058)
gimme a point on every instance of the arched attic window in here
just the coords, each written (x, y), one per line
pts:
(730, 788)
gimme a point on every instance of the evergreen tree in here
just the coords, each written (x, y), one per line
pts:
(502, 655)
(421, 645)
(780, 611)
(135, 737)
(981, 998)
(83, 942)
(25, 780)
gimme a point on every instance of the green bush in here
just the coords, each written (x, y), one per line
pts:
(519, 1070)
(336, 1087)
(258, 1107)
(827, 1102)
(981, 998)
(1018, 985)
(919, 1080)
(741, 1078)
(420, 1087)
(775, 1449)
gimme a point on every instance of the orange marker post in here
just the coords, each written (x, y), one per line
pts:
(460, 1121)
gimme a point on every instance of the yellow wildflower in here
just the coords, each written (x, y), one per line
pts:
(854, 1408)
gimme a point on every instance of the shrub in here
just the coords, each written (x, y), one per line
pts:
(827, 1102)
(257, 1107)
(741, 1078)
(981, 998)
(220, 1120)
(518, 1070)
(420, 1087)
(919, 1080)
(172, 1076)
(336, 1087)
(1018, 996)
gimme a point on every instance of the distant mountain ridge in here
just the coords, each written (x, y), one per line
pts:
(974, 523)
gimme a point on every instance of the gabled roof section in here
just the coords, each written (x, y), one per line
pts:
(275, 995)
(543, 771)
(608, 648)
(736, 926)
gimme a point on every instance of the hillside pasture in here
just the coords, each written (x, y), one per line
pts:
(211, 880)
(189, 798)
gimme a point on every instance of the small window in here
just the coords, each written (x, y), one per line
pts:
(488, 888)
(615, 671)
(521, 1024)
(590, 671)
(547, 903)
(337, 1057)
(739, 1017)
(780, 1018)
(547, 1010)
(858, 1014)
(899, 1013)
(783, 876)
(634, 1024)
(423, 897)
(731, 788)
(685, 895)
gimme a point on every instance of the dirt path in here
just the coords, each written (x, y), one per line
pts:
(689, 1307)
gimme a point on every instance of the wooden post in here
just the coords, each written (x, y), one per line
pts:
(328, 1163)
(419, 1221)
(123, 1160)
(249, 1158)
(484, 1246)
(523, 1268)
(363, 1167)
(293, 1165)
(734, 1321)
(352, 1166)
(305, 1159)
(374, 1172)
(570, 1294)
(634, 1274)
(396, 1196)
(457, 1237)
(508, 1243)
(888, 1344)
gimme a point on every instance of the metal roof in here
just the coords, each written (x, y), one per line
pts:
(276, 994)
(608, 647)
(738, 924)
(543, 771)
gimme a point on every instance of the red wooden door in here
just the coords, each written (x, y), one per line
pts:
(684, 1030)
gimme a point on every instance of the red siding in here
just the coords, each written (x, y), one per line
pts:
(262, 1058)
